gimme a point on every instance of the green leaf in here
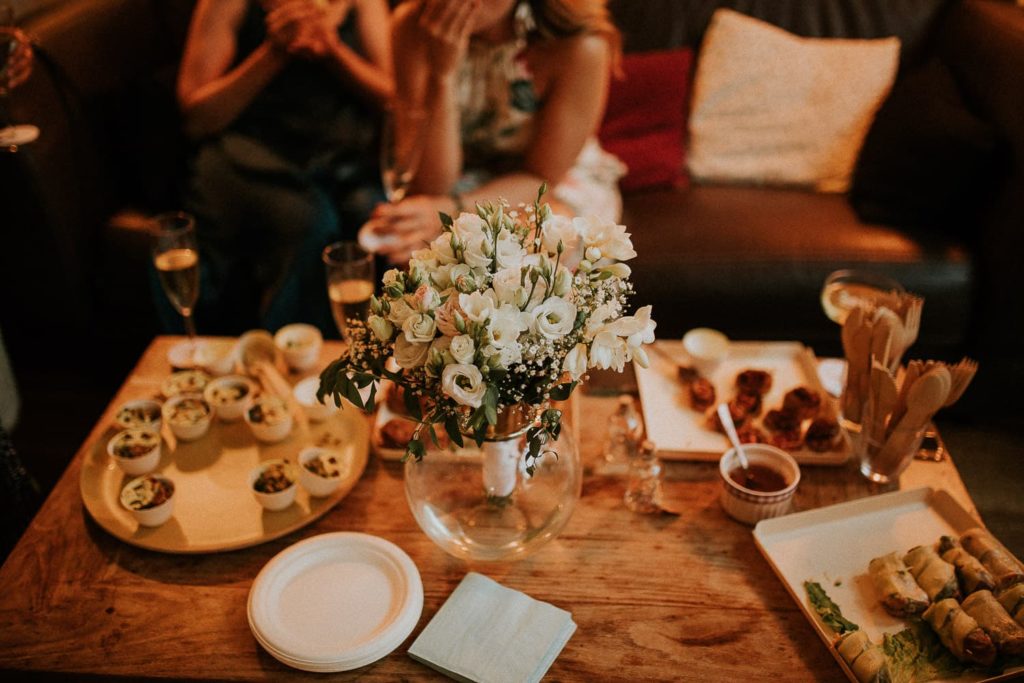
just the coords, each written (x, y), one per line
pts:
(490, 404)
(416, 449)
(828, 610)
(446, 220)
(451, 426)
(563, 391)
(371, 401)
(412, 404)
(433, 436)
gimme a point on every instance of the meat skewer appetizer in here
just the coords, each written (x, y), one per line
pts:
(1012, 601)
(960, 633)
(972, 573)
(936, 576)
(1005, 569)
(993, 619)
(896, 588)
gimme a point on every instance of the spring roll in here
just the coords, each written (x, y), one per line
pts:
(896, 588)
(959, 632)
(993, 619)
(1003, 566)
(936, 576)
(969, 569)
(1012, 601)
(865, 659)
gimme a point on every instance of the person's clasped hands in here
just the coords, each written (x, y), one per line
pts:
(306, 29)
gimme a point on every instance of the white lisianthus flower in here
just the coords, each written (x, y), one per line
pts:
(563, 282)
(478, 305)
(409, 354)
(441, 246)
(507, 287)
(445, 317)
(468, 226)
(440, 277)
(462, 348)
(563, 229)
(554, 318)
(575, 362)
(425, 259)
(510, 252)
(608, 351)
(612, 240)
(464, 383)
(478, 252)
(381, 327)
(505, 325)
(400, 311)
(419, 327)
(462, 278)
(427, 298)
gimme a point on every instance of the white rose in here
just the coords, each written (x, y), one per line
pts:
(400, 311)
(441, 246)
(506, 324)
(464, 383)
(510, 252)
(425, 259)
(427, 298)
(554, 318)
(563, 229)
(478, 252)
(468, 226)
(381, 328)
(608, 351)
(462, 348)
(441, 277)
(477, 306)
(391, 277)
(575, 362)
(409, 354)
(462, 278)
(419, 327)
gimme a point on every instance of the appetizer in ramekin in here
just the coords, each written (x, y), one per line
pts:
(149, 498)
(300, 344)
(762, 491)
(321, 470)
(142, 414)
(273, 484)
(136, 451)
(230, 396)
(188, 416)
(185, 382)
(269, 419)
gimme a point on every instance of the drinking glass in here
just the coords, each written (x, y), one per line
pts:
(176, 258)
(845, 289)
(402, 140)
(350, 277)
(15, 65)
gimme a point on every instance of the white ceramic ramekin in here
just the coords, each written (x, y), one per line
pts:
(141, 464)
(749, 506)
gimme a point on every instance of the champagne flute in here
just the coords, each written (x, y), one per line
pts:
(15, 66)
(350, 276)
(402, 140)
(176, 257)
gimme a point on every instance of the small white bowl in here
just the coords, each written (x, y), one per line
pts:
(300, 344)
(199, 416)
(305, 394)
(217, 357)
(147, 440)
(749, 506)
(315, 484)
(278, 427)
(278, 500)
(141, 414)
(150, 516)
(230, 396)
(185, 382)
(706, 348)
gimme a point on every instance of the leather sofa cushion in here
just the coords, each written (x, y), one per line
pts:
(751, 262)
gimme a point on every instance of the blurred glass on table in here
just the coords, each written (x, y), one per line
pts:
(176, 257)
(350, 278)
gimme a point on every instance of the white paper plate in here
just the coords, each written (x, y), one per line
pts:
(335, 602)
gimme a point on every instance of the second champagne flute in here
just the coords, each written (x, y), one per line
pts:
(350, 277)
(402, 141)
(176, 257)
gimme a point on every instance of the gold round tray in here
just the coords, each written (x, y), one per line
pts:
(214, 508)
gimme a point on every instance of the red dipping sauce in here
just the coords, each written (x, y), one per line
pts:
(759, 477)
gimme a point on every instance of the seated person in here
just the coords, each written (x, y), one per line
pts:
(514, 91)
(283, 96)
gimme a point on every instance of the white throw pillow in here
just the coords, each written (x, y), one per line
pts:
(773, 108)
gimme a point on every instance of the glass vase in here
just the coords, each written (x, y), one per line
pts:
(480, 503)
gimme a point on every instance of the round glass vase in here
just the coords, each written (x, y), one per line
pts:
(479, 502)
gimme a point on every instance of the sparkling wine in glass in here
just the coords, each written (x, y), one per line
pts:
(350, 277)
(176, 258)
(402, 140)
(15, 66)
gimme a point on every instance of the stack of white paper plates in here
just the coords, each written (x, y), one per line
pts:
(335, 602)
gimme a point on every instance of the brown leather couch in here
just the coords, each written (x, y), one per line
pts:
(749, 261)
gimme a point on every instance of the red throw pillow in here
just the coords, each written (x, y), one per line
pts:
(645, 120)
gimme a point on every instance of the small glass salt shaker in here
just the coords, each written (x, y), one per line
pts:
(643, 489)
(624, 431)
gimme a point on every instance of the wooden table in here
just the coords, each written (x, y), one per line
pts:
(655, 597)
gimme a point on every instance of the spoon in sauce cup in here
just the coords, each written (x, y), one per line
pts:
(730, 431)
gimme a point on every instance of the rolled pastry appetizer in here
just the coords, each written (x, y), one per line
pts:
(993, 619)
(971, 572)
(1004, 567)
(865, 659)
(960, 633)
(896, 588)
(1012, 601)
(936, 576)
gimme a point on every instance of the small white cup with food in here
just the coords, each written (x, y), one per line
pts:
(274, 484)
(269, 419)
(300, 344)
(185, 382)
(141, 414)
(321, 470)
(149, 498)
(135, 451)
(188, 415)
(230, 396)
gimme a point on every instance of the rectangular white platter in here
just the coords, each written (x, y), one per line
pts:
(833, 546)
(681, 433)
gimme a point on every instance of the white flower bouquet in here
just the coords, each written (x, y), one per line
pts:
(505, 309)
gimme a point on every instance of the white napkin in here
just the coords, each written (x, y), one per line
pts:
(488, 633)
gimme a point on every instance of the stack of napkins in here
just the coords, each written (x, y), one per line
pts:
(488, 633)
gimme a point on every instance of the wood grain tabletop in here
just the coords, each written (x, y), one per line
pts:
(662, 597)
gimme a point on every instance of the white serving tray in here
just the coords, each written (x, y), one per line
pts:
(681, 433)
(833, 546)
